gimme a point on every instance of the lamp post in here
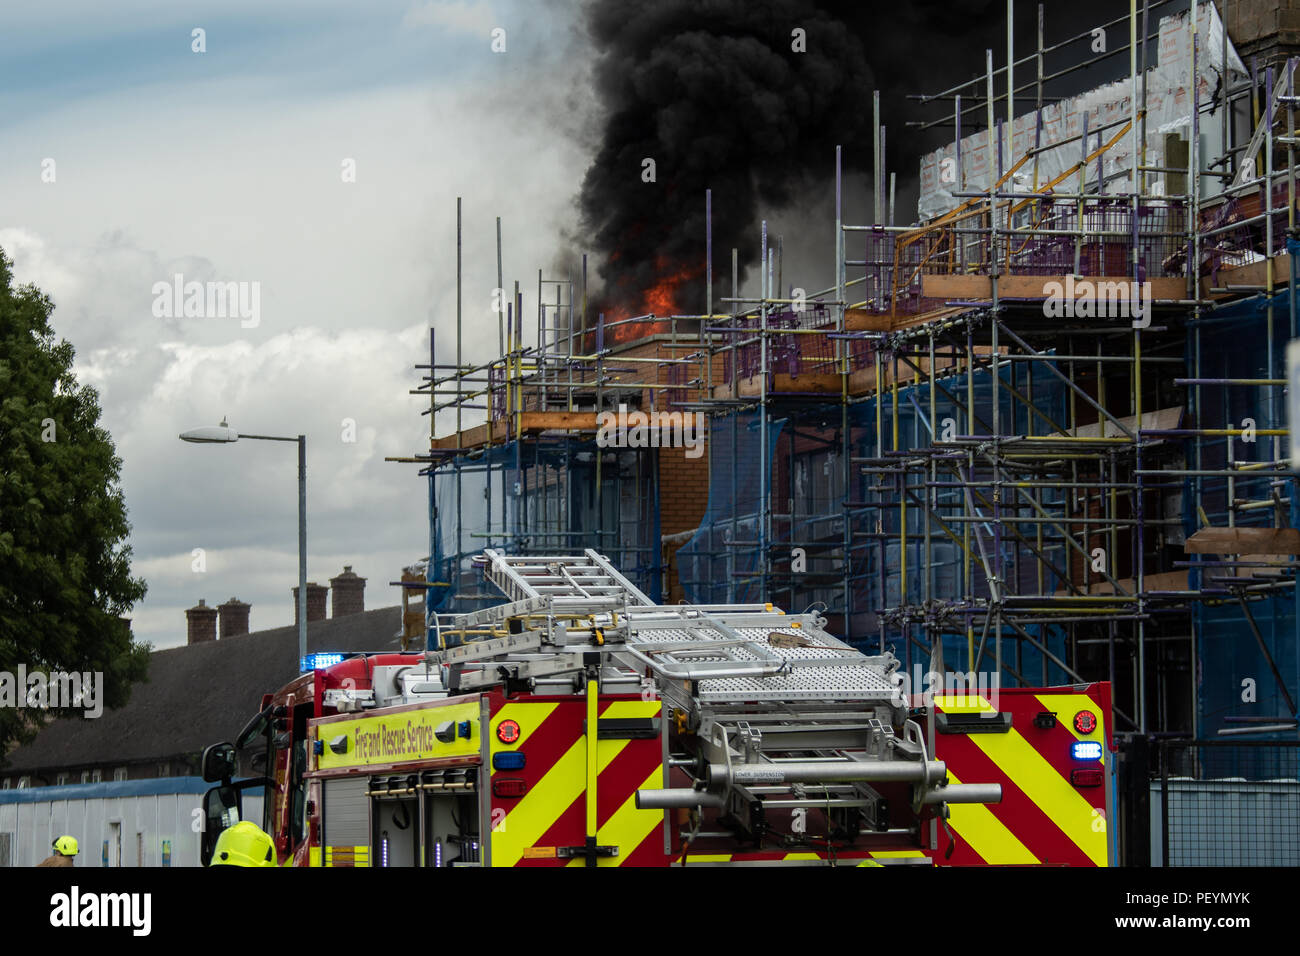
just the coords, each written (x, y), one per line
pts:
(223, 433)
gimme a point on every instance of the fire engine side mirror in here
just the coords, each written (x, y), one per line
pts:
(218, 764)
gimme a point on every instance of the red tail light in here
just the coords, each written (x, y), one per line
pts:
(509, 787)
(1086, 778)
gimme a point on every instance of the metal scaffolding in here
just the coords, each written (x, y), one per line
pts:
(1042, 432)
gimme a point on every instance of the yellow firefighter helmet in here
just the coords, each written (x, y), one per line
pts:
(244, 844)
(66, 846)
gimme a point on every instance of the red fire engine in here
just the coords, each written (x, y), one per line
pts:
(579, 723)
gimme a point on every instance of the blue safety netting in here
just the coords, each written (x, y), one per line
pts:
(540, 497)
(720, 564)
(1236, 684)
(833, 535)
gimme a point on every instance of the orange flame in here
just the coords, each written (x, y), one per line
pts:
(663, 299)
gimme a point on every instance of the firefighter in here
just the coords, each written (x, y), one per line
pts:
(65, 852)
(244, 844)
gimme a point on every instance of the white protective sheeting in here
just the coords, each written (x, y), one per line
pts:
(1169, 105)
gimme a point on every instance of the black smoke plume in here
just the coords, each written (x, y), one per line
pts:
(714, 92)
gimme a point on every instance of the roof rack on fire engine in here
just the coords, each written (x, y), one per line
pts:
(564, 607)
(774, 702)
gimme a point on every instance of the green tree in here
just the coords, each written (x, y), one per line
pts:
(65, 575)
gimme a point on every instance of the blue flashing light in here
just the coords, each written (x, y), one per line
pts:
(1085, 750)
(314, 662)
(508, 760)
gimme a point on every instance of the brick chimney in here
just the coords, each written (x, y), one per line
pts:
(233, 618)
(202, 623)
(315, 602)
(349, 593)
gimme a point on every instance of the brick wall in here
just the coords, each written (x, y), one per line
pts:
(1268, 29)
(683, 497)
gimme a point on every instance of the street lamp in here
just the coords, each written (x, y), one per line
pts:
(223, 433)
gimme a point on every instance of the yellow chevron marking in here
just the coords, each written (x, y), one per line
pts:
(628, 826)
(987, 835)
(1043, 784)
(546, 800)
(509, 836)
(1035, 775)
(537, 809)
(528, 716)
(632, 708)
(968, 704)
(1066, 706)
(607, 750)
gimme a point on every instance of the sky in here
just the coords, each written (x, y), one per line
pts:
(228, 165)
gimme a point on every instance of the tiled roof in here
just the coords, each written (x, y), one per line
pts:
(199, 694)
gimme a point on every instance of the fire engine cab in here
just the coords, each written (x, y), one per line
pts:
(578, 723)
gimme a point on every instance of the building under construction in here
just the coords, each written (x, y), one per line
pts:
(1041, 433)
